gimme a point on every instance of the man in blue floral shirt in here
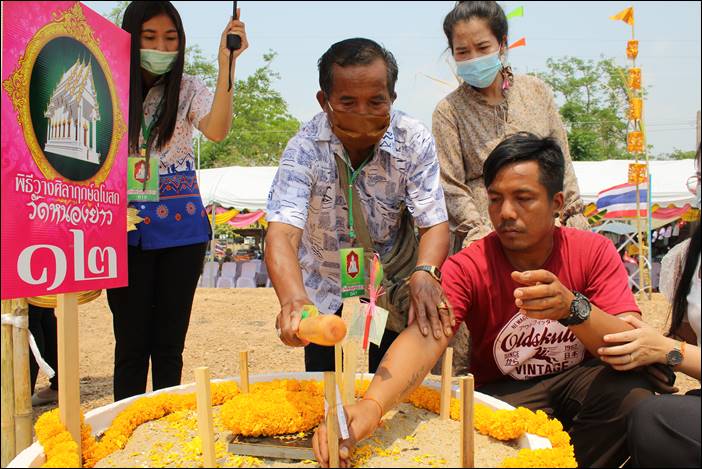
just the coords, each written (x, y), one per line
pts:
(391, 161)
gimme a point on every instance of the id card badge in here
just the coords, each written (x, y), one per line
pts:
(352, 272)
(138, 172)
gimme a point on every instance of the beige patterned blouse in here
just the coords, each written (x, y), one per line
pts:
(467, 129)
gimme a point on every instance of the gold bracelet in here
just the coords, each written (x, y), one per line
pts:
(372, 399)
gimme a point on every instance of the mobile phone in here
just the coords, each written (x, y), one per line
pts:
(233, 40)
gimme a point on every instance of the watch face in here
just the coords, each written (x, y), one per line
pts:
(674, 357)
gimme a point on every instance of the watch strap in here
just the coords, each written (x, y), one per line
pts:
(430, 269)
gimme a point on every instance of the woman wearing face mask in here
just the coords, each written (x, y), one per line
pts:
(490, 104)
(166, 252)
(672, 421)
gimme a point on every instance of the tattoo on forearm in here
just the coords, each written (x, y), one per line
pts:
(416, 378)
(384, 373)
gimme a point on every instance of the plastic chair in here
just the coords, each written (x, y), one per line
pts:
(225, 282)
(230, 270)
(246, 282)
(210, 269)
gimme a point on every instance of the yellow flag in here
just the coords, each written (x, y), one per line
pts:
(626, 15)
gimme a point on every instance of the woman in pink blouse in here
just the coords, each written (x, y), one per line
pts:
(166, 252)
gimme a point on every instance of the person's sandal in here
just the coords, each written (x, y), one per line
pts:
(44, 396)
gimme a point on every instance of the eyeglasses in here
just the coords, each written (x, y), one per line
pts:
(692, 183)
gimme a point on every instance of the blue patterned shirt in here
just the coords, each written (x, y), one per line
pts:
(306, 193)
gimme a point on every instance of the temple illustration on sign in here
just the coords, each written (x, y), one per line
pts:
(73, 113)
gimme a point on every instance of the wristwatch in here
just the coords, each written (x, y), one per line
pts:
(674, 357)
(431, 270)
(580, 310)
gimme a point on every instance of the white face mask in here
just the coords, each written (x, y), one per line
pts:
(157, 62)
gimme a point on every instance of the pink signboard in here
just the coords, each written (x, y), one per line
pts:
(65, 89)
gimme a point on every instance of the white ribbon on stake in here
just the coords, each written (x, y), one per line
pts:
(341, 416)
(22, 322)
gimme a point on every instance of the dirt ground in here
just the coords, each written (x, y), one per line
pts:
(224, 322)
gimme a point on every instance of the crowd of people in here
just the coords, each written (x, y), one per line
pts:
(502, 244)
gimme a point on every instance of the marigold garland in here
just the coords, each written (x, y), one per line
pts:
(49, 427)
(290, 406)
(277, 408)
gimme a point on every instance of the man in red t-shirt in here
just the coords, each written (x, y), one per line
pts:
(537, 301)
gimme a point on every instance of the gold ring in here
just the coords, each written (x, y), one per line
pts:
(442, 305)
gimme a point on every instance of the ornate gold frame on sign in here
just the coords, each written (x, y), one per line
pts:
(49, 301)
(69, 23)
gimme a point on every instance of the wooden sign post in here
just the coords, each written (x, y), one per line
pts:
(68, 359)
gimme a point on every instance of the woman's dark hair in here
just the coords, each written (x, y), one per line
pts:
(683, 287)
(134, 17)
(491, 12)
(356, 51)
(525, 146)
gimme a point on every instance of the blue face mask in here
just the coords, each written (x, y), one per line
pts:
(481, 71)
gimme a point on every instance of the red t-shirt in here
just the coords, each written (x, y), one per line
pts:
(505, 343)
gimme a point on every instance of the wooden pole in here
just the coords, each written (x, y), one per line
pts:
(332, 419)
(244, 371)
(8, 388)
(20, 363)
(350, 358)
(204, 416)
(446, 375)
(338, 369)
(467, 434)
(68, 358)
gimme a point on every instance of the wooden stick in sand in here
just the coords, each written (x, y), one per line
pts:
(204, 416)
(338, 370)
(332, 418)
(446, 372)
(350, 357)
(467, 434)
(244, 371)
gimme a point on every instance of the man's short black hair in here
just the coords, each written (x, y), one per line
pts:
(525, 146)
(356, 51)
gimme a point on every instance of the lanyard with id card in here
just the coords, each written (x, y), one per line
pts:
(142, 169)
(352, 259)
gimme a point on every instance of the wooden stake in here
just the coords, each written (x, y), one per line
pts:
(332, 419)
(446, 375)
(244, 371)
(338, 370)
(350, 357)
(68, 358)
(204, 416)
(20, 363)
(8, 389)
(467, 434)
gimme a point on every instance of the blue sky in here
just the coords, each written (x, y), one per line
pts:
(669, 50)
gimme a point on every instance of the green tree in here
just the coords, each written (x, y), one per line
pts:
(261, 124)
(197, 64)
(678, 154)
(595, 105)
(117, 13)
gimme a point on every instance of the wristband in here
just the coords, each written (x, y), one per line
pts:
(372, 399)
